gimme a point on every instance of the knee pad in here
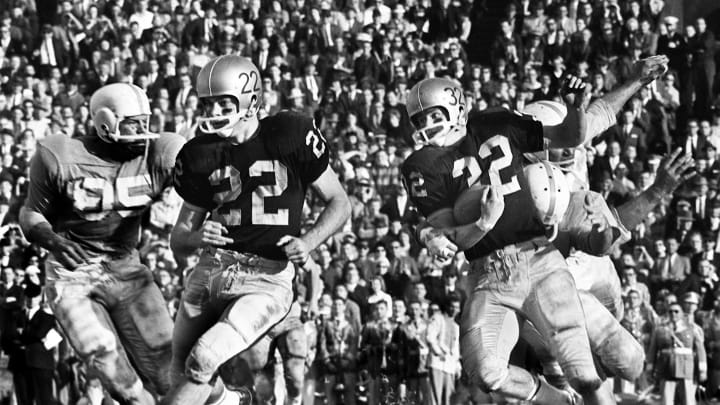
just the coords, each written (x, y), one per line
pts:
(215, 347)
(621, 355)
(489, 372)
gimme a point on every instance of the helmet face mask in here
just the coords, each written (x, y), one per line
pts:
(432, 126)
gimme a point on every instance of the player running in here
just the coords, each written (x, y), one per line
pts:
(86, 200)
(517, 269)
(243, 182)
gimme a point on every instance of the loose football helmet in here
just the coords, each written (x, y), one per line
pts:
(549, 191)
(229, 75)
(113, 103)
(448, 96)
(550, 113)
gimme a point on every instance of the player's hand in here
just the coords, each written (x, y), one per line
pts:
(674, 170)
(649, 69)
(70, 254)
(437, 243)
(576, 92)
(702, 376)
(492, 205)
(211, 234)
(296, 250)
(594, 212)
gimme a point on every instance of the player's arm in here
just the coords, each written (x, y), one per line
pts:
(673, 171)
(43, 195)
(192, 231)
(315, 287)
(441, 224)
(583, 122)
(333, 217)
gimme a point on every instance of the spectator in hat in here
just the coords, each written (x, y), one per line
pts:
(677, 332)
(297, 102)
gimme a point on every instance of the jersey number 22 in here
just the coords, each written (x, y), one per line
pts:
(258, 215)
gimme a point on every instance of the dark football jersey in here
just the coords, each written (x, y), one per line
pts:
(257, 188)
(497, 140)
(95, 202)
(430, 180)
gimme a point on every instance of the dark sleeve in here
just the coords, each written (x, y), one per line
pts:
(193, 187)
(44, 185)
(526, 133)
(426, 189)
(311, 154)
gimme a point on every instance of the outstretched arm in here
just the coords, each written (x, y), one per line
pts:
(583, 122)
(673, 171)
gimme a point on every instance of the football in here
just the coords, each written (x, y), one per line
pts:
(467, 206)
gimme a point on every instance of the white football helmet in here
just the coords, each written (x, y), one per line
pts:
(113, 103)
(550, 114)
(229, 75)
(549, 191)
(448, 96)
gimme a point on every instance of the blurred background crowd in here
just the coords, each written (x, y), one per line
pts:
(387, 313)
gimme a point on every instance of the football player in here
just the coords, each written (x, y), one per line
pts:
(507, 245)
(85, 204)
(243, 182)
(589, 263)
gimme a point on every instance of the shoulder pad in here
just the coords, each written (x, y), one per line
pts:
(428, 160)
(64, 148)
(199, 153)
(286, 131)
(165, 149)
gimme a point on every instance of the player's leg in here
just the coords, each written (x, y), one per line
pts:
(293, 349)
(266, 302)
(598, 276)
(554, 308)
(620, 354)
(145, 328)
(89, 329)
(196, 314)
(238, 373)
(489, 331)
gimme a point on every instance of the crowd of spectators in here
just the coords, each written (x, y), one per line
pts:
(349, 63)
